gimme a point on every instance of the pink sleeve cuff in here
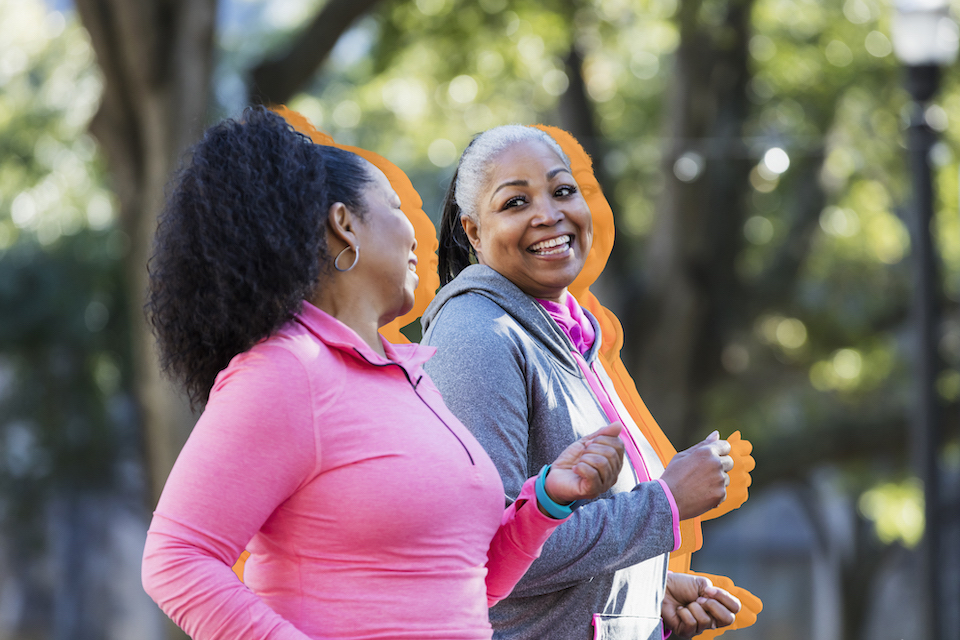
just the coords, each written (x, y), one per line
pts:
(528, 493)
(517, 543)
(676, 514)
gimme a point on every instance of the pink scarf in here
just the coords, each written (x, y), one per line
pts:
(572, 320)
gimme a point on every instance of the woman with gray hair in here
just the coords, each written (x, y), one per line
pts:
(517, 362)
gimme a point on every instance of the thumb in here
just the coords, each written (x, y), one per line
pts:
(613, 429)
(713, 437)
(705, 587)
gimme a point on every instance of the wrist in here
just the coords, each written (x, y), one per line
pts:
(546, 503)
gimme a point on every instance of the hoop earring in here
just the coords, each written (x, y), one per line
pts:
(356, 257)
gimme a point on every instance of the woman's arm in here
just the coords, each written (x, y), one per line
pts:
(583, 471)
(479, 369)
(517, 543)
(250, 450)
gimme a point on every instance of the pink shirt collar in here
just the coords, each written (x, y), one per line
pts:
(334, 333)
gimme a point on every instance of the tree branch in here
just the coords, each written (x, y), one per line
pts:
(276, 80)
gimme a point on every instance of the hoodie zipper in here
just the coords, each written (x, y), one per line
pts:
(416, 391)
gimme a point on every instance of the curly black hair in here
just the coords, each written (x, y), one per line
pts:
(242, 241)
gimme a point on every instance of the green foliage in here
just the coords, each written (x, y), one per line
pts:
(897, 510)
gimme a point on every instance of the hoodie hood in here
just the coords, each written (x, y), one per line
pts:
(482, 280)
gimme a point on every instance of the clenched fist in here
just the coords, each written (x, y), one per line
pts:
(698, 476)
(586, 468)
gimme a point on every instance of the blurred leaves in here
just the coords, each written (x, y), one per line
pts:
(65, 408)
(896, 510)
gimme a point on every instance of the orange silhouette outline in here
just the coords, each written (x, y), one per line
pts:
(604, 232)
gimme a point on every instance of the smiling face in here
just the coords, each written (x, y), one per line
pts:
(387, 264)
(533, 225)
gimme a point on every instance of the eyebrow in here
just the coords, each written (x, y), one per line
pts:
(523, 183)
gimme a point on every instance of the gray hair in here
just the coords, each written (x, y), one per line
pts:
(476, 161)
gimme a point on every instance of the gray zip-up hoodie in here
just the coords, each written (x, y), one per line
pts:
(505, 369)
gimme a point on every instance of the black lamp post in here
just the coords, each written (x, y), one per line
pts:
(924, 40)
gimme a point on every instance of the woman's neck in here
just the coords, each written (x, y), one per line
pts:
(352, 312)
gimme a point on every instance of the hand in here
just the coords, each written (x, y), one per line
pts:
(698, 476)
(586, 468)
(691, 605)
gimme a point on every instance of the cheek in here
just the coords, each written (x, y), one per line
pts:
(402, 235)
(507, 237)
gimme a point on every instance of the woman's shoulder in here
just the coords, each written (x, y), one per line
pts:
(469, 316)
(287, 359)
(472, 301)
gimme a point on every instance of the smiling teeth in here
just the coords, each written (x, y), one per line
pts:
(549, 244)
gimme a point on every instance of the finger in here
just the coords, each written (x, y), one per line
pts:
(686, 619)
(603, 444)
(727, 600)
(590, 477)
(613, 429)
(595, 469)
(713, 437)
(607, 466)
(602, 449)
(720, 614)
(726, 462)
(722, 447)
(612, 451)
(592, 466)
(704, 619)
(705, 586)
(726, 480)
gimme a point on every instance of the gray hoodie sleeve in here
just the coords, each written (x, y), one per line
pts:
(488, 380)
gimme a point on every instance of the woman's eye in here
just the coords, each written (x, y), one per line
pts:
(565, 190)
(515, 201)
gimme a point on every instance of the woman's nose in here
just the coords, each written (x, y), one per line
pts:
(548, 214)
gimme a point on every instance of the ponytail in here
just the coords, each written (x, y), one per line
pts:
(455, 249)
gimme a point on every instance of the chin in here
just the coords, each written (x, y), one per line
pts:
(560, 280)
(407, 305)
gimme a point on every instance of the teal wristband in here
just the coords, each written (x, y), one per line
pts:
(554, 510)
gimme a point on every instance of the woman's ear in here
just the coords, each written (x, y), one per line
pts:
(341, 223)
(472, 230)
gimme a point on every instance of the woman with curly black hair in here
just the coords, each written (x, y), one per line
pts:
(368, 510)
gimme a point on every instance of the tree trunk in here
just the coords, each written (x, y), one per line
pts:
(697, 235)
(156, 58)
(276, 80)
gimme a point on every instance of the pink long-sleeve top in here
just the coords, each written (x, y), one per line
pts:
(369, 510)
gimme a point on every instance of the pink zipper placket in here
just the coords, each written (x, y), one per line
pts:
(630, 445)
